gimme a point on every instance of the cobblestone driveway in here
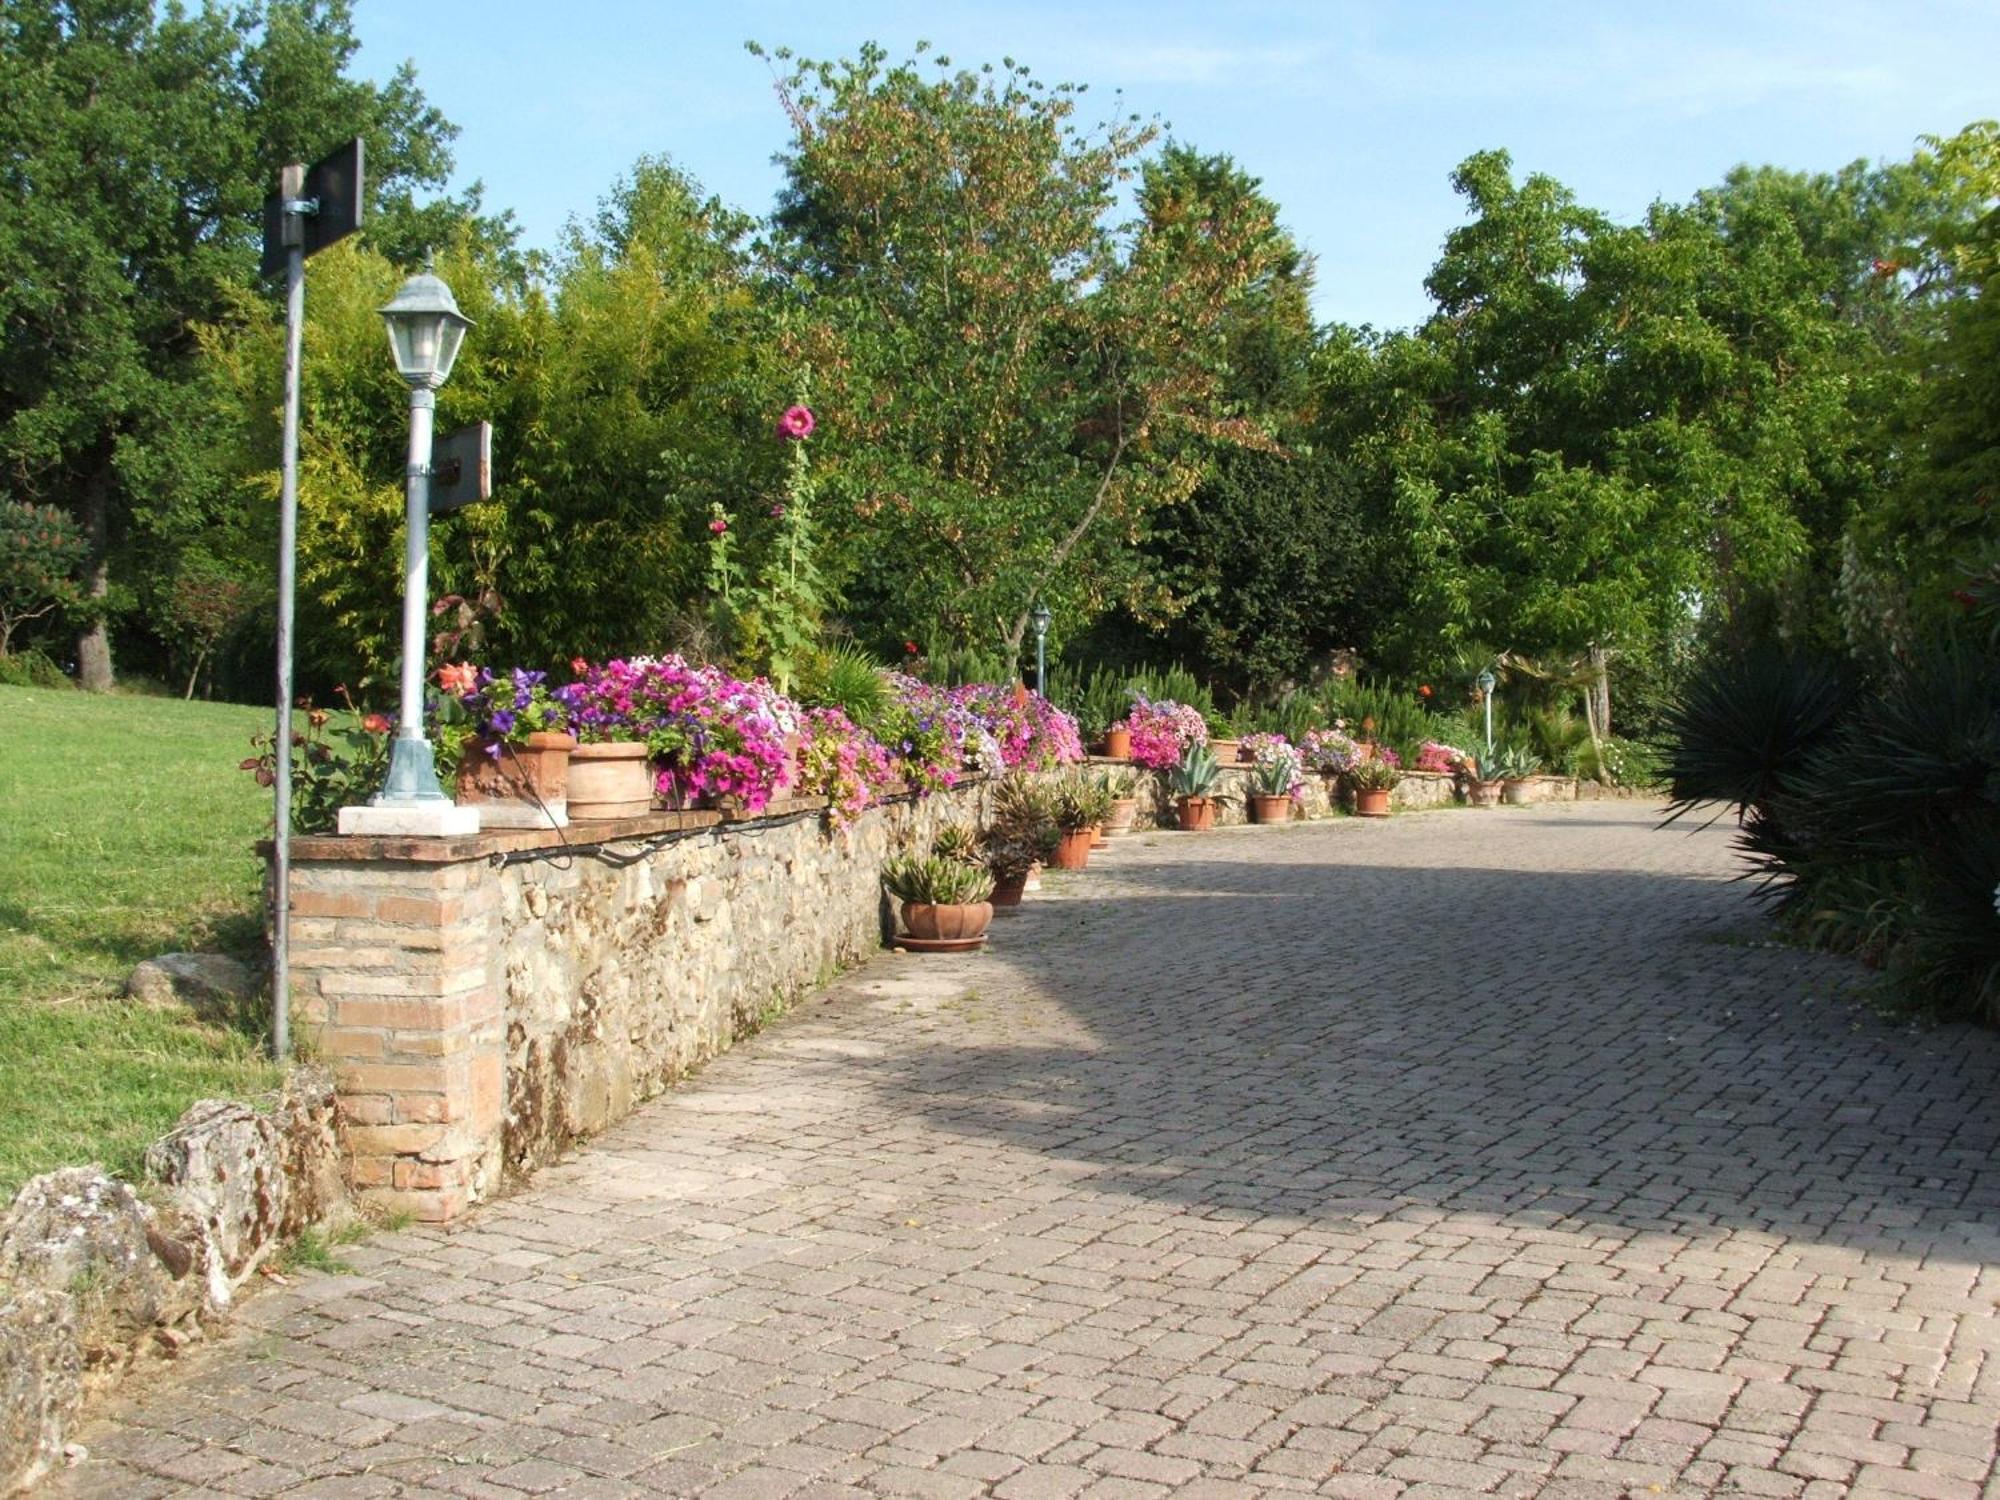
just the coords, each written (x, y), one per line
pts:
(1467, 1153)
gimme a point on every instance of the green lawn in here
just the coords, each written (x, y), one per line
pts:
(125, 831)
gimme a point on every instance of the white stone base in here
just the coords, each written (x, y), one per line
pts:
(425, 820)
(523, 815)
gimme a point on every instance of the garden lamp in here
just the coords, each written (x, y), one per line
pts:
(1487, 681)
(1041, 618)
(425, 331)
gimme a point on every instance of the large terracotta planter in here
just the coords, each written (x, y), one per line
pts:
(946, 923)
(1514, 793)
(1124, 810)
(611, 780)
(1372, 803)
(1197, 814)
(1008, 889)
(1265, 809)
(520, 785)
(1073, 850)
(1118, 744)
(1226, 752)
(1483, 793)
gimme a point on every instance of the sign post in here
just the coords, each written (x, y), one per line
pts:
(313, 208)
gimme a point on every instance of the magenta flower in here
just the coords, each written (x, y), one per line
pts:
(777, 512)
(718, 526)
(797, 422)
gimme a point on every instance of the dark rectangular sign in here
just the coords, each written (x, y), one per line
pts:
(462, 468)
(335, 182)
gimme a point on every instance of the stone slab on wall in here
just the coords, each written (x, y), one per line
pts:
(93, 1273)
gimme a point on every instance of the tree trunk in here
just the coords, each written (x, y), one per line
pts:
(1597, 700)
(93, 646)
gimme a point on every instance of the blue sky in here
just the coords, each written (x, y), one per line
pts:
(1353, 114)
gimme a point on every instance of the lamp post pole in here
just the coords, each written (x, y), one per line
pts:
(1486, 682)
(1042, 618)
(412, 769)
(293, 204)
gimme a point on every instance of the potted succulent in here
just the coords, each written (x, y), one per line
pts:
(1081, 805)
(515, 762)
(1021, 835)
(1192, 785)
(1277, 780)
(1124, 803)
(1371, 781)
(943, 900)
(1512, 767)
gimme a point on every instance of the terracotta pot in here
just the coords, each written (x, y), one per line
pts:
(1265, 809)
(612, 780)
(1514, 793)
(1073, 850)
(1226, 752)
(1372, 803)
(1483, 793)
(1197, 813)
(921, 920)
(1007, 890)
(1118, 744)
(524, 785)
(1124, 811)
(1097, 838)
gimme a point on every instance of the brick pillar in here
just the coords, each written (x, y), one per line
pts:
(397, 986)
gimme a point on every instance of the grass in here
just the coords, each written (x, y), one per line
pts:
(125, 831)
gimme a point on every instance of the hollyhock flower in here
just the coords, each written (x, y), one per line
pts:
(458, 678)
(718, 526)
(777, 512)
(1424, 691)
(797, 422)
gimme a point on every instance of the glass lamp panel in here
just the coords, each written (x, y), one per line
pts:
(450, 334)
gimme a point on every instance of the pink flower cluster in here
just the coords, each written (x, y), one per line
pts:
(1331, 751)
(845, 764)
(1162, 729)
(1445, 759)
(1274, 750)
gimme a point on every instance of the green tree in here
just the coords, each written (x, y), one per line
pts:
(1010, 384)
(136, 146)
(41, 549)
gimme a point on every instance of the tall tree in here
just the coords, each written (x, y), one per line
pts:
(1011, 384)
(137, 143)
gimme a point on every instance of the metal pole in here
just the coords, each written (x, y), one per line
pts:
(1488, 696)
(416, 563)
(291, 184)
(1041, 662)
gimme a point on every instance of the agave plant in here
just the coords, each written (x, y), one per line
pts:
(1197, 773)
(1374, 775)
(1513, 763)
(1081, 801)
(934, 880)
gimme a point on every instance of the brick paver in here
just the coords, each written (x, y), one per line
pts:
(1466, 1154)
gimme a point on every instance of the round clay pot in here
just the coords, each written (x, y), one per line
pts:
(1197, 814)
(610, 781)
(1372, 803)
(534, 772)
(922, 920)
(1118, 744)
(1483, 793)
(1097, 838)
(1008, 889)
(1124, 810)
(1265, 809)
(1073, 850)
(1514, 793)
(1226, 752)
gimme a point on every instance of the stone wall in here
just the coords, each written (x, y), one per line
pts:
(486, 1000)
(94, 1273)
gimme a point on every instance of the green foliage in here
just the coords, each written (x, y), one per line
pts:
(336, 763)
(1081, 801)
(1372, 775)
(846, 678)
(41, 549)
(31, 669)
(1097, 696)
(1385, 712)
(1513, 763)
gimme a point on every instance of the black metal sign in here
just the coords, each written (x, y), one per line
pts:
(462, 468)
(333, 186)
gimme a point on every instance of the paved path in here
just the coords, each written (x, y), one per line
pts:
(1467, 1153)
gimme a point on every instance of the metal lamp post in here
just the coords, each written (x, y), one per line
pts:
(1042, 617)
(425, 331)
(1487, 681)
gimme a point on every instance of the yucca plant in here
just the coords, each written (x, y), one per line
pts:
(1081, 801)
(1746, 723)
